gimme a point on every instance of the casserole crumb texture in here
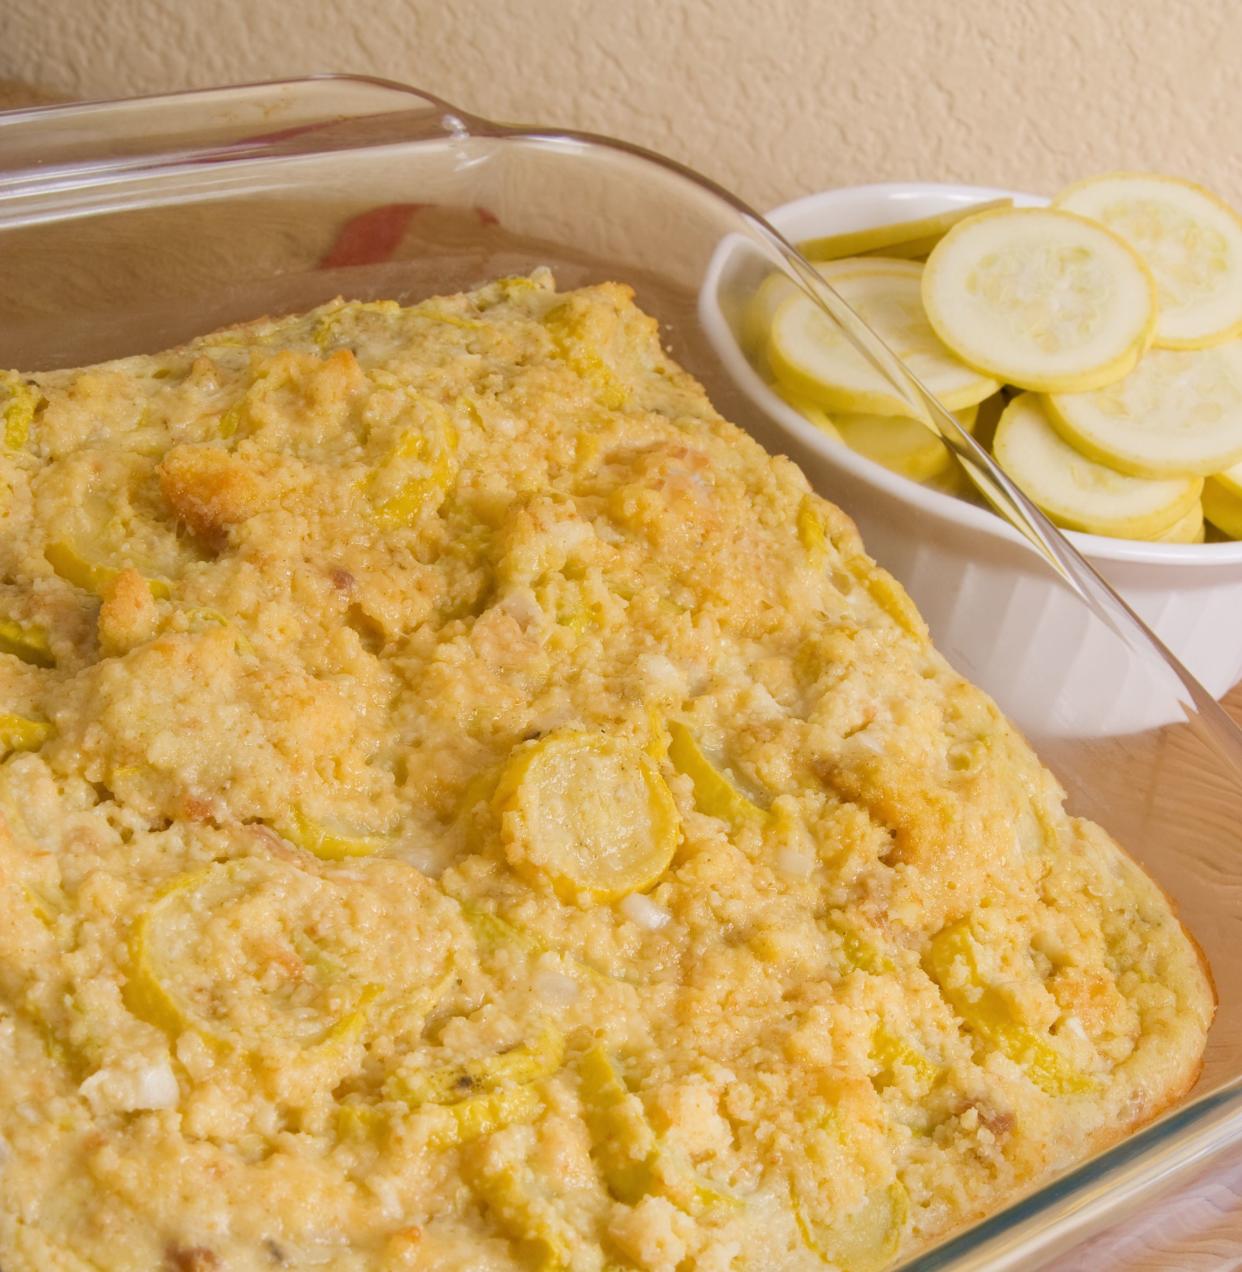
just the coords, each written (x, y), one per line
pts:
(464, 804)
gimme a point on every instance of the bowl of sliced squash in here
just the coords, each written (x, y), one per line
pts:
(1093, 344)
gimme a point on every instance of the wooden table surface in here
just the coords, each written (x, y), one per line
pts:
(1198, 1228)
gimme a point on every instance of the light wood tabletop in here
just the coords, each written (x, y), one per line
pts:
(1197, 1228)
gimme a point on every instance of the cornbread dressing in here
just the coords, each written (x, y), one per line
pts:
(465, 805)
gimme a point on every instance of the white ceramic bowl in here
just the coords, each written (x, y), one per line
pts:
(987, 596)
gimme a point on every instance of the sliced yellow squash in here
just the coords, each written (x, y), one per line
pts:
(903, 446)
(814, 357)
(811, 532)
(588, 813)
(892, 1052)
(453, 1124)
(1230, 479)
(951, 961)
(858, 950)
(330, 839)
(1040, 298)
(572, 330)
(866, 1240)
(1222, 506)
(1190, 240)
(714, 793)
(27, 642)
(622, 1142)
(544, 1238)
(1079, 493)
(894, 236)
(19, 406)
(416, 474)
(761, 309)
(1189, 529)
(93, 575)
(485, 1114)
(809, 409)
(1177, 413)
(115, 518)
(833, 271)
(632, 1159)
(17, 733)
(888, 295)
(523, 1064)
(255, 951)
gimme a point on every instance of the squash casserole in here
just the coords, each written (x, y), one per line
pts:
(464, 805)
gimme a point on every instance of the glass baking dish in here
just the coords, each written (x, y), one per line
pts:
(127, 227)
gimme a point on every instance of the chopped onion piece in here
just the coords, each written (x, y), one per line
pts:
(387, 1193)
(661, 673)
(126, 1090)
(551, 984)
(762, 706)
(1074, 1026)
(644, 912)
(796, 862)
(156, 1087)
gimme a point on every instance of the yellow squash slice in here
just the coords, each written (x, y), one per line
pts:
(27, 642)
(1040, 298)
(1230, 480)
(17, 733)
(1222, 506)
(865, 1240)
(833, 271)
(714, 793)
(480, 1096)
(415, 475)
(813, 357)
(528, 1062)
(485, 1115)
(811, 411)
(1190, 240)
(897, 238)
(452, 1124)
(1189, 529)
(255, 952)
(1177, 412)
(811, 533)
(632, 1159)
(91, 574)
(520, 1206)
(951, 961)
(903, 446)
(17, 410)
(1079, 493)
(622, 1141)
(331, 840)
(588, 813)
(866, 1236)
(893, 1053)
(761, 309)
(117, 519)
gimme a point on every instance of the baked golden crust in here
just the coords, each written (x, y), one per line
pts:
(465, 805)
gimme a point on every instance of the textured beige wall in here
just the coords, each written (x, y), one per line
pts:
(774, 98)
